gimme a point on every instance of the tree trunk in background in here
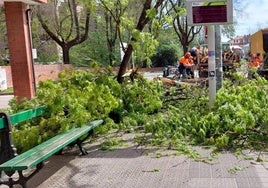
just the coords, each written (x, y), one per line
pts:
(66, 54)
(76, 24)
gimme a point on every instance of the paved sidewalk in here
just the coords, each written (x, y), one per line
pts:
(132, 167)
(4, 99)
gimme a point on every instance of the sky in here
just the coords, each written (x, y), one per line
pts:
(252, 17)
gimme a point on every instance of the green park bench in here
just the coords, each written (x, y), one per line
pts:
(34, 158)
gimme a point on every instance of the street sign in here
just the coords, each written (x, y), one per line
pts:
(209, 12)
(211, 74)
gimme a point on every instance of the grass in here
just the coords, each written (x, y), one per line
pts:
(7, 91)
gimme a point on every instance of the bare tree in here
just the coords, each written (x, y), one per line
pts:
(185, 33)
(63, 21)
(113, 16)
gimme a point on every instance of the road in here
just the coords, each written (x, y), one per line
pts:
(4, 99)
(152, 75)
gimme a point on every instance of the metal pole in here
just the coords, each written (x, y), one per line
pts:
(218, 49)
(28, 16)
(211, 65)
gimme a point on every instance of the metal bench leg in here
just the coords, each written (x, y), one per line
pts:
(83, 151)
(22, 179)
(80, 142)
(8, 151)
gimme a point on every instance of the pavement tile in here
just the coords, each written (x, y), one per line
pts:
(129, 167)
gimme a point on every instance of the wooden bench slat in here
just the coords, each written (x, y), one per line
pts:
(23, 116)
(41, 152)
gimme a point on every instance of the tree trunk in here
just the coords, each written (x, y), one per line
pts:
(66, 54)
(111, 49)
(124, 63)
(185, 48)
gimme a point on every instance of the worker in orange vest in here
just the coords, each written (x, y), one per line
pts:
(255, 61)
(185, 65)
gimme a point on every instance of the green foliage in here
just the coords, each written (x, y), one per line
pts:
(79, 96)
(142, 96)
(76, 98)
(108, 126)
(47, 53)
(144, 46)
(93, 49)
(112, 143)
(166, 54)
(178, 121)
(25, 104)
(151, 13)
(241, 111)
(7, 91)
(3, 62)
(235, 169)
(228, 31)
(238, 118)
(82, 92)
(26, 137)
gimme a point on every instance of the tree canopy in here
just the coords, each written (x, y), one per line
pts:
(95, 30)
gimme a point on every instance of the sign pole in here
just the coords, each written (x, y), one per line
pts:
(211, 13)
(211, 65)
(218, 57)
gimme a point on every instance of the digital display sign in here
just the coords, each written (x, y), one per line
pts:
(201, 12)
(209, 14)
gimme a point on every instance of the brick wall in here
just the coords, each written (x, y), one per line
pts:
(44, 72)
